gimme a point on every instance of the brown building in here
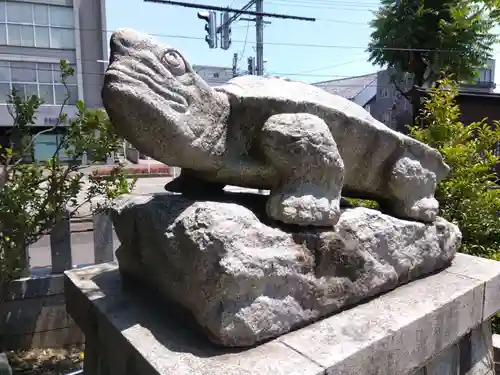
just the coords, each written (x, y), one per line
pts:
(475, 106)
(478, 105)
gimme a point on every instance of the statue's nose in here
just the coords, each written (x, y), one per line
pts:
(122, 39)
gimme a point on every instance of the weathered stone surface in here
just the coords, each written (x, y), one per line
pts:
(305, 152)
(222, 136)
(5, 368)
(245, 281)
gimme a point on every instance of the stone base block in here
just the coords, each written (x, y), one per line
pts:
(246, 280)
(435, 325)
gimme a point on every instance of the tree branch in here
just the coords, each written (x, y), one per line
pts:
(400, 90)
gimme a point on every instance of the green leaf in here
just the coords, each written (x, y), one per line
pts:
(457, 36)
(80, 106)
(36, 195)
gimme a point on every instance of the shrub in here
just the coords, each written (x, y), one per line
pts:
(33, 195)
(467, 196)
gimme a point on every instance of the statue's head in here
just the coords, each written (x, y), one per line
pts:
(150, 86)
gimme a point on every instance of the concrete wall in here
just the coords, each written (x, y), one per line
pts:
(34, 315)
(471, 355)
(93, 45)
(390, 107)
(496, 353)
(383, 102)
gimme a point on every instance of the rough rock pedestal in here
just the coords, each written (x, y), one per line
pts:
(245, 281)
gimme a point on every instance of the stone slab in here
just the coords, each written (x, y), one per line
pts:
(95, 298)
(396, 333)
(481, 351)
(33, 315)
(485, 270)
(57, 338)
(33, 287)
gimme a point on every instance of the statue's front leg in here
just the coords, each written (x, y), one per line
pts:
(412, 187)
(310, 170)
(189, 183)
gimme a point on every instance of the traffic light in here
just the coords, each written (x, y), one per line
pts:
(210, 27)
(226, 31)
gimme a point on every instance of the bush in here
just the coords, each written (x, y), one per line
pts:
(34, 196)
(467, 196)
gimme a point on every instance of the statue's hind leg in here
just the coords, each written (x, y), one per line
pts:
(413, 187)
(310, 170)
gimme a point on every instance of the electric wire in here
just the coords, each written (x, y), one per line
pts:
(245, 42)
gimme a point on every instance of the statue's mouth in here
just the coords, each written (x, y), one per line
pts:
(122, 80)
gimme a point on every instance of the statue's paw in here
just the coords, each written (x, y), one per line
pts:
(424, 209)
(303, 210)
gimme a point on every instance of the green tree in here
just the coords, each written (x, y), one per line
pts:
(424, 39)
(34, 196)
(469, 196)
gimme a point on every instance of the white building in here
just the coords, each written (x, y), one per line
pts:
(34, 36)
(214, 75)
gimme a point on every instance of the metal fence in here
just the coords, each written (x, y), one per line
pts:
(34, 310)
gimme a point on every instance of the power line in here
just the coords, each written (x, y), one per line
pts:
(223, 9)
(12, 65)
(268, 43)
(245, 43)
(326, 46)
(330, 2)
(338, 76)
(352, 7)
(328, 67)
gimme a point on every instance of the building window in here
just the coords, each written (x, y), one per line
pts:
(36, 25)
(386, 118)
(384, 92)
(485, 76)
(41, 79)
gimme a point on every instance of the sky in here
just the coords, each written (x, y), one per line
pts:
(332, 47)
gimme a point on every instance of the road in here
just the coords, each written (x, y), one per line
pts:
(142, 186)
(83, 242)
(82, 250)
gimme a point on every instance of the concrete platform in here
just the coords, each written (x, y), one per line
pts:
(436, 325)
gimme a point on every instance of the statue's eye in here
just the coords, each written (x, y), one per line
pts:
(174, 63)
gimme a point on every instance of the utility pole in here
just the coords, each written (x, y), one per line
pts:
(226, 20)
(235, 65)
(251, 65)
(259, 28)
